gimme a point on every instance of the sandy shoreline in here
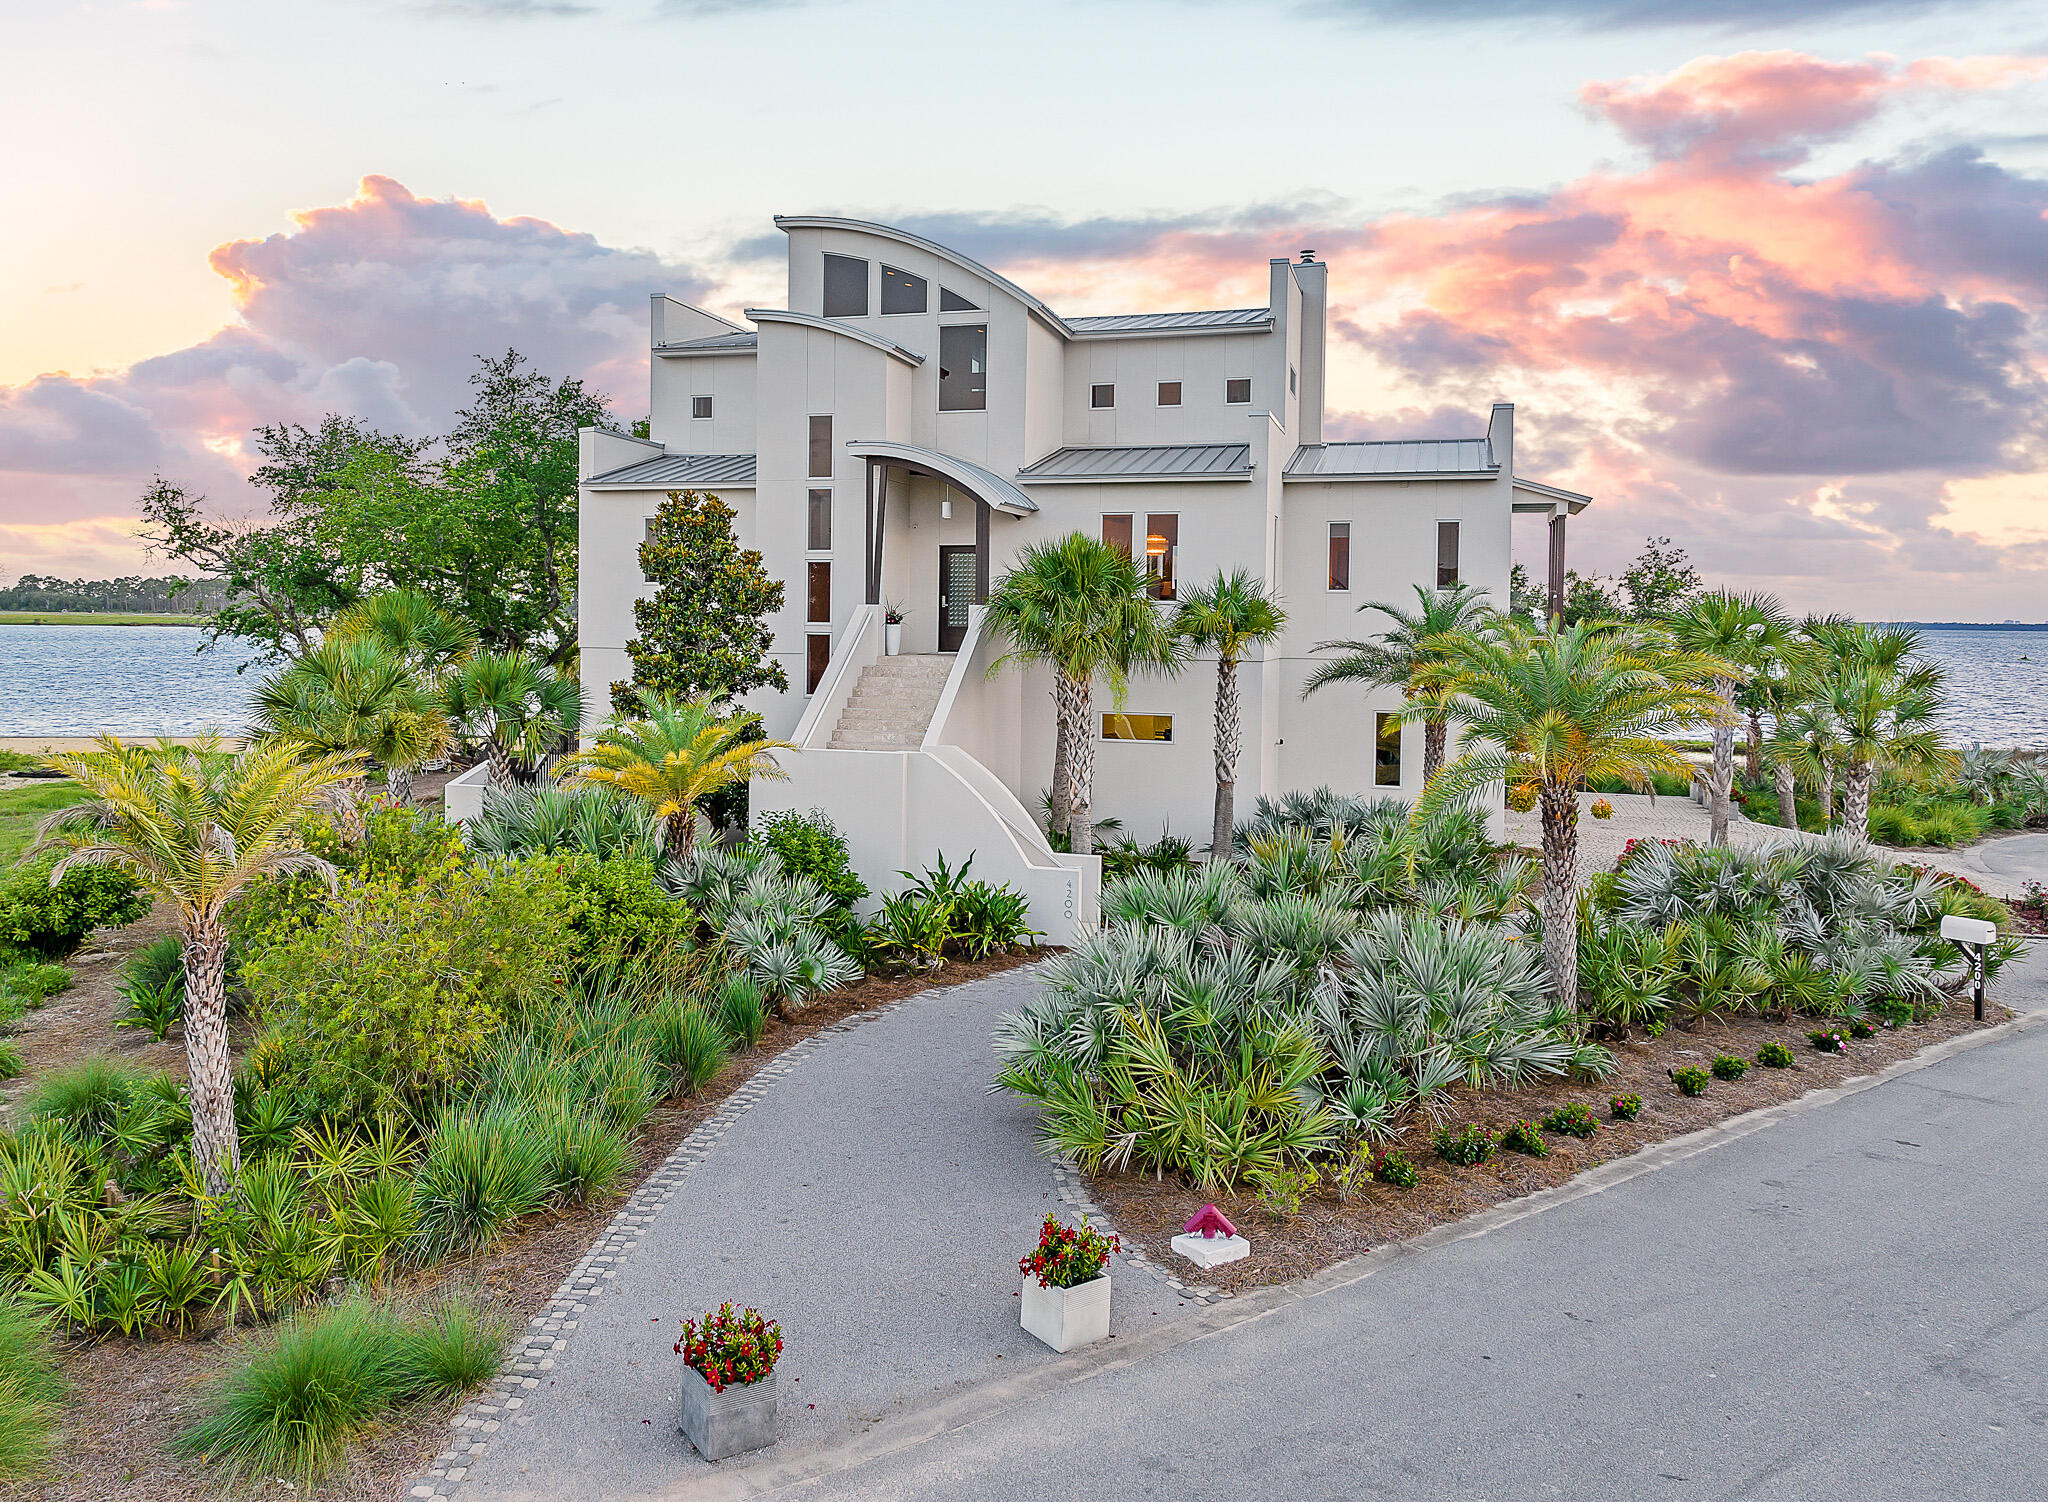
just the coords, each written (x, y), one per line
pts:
(34, 744)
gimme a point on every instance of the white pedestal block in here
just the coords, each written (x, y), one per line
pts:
(1212, 1251)
(1067, 1317)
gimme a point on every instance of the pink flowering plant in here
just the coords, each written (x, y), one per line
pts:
(731, 1350)
(1067, 1256)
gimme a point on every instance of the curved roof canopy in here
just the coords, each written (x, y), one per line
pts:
(905, 237)
(964, 473)
(834, 326)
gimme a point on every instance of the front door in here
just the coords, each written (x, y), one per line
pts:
(956, 595)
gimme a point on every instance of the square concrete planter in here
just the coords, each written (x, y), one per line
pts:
(725, 1423)
(1065, 1318)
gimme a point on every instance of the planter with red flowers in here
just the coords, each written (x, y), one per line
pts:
(728, 1381)
(1066, 1285)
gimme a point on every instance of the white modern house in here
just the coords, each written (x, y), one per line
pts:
(911, 419)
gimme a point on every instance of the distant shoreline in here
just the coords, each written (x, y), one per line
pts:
(94, 618)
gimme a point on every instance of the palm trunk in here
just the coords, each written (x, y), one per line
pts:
(1788, 795)
(399, 782)
(1062, 794)
(1082, 764)
(216, 1146)
(1723, 780)
(1756, 746)
(1856, 799)
(1559, 807)
(1436, 734)
(1228, 735)
(1827, 800)
(501, 765)
(680, 833)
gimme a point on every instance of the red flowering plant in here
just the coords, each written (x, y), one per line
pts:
(1067, 1256)
(731, 1350)
(1628, 850)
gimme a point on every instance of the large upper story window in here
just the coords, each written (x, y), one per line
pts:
(1162, 550)
(901, 292)
(1340, 555)
(963, 367)
(846, 287)
(1446, 554)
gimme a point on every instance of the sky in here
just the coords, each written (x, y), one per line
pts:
(1768, 277)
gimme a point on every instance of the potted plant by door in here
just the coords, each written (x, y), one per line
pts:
(892, 629)
(1066, 1285)
(728, 1381)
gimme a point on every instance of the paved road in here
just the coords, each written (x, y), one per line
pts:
(1850, 1303)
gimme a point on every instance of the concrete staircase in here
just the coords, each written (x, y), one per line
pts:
(892, 704)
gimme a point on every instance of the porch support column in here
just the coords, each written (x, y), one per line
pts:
(877, 516)
(1557, 519)
(980, 551)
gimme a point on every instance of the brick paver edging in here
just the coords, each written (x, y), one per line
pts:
(1074, 1193)
(548, 1332)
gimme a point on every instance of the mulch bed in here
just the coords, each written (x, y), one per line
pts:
(1148, 1213)
(130, 1399)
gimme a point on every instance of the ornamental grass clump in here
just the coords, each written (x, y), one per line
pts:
(687, 1042)
(730, 1350)
(1571, 1120)
(1691, 1080)
(1524, 1137)
(448, 1350)
(1728, 1067)
(1067, 1256)
(1774, 1056)
(30, 1390)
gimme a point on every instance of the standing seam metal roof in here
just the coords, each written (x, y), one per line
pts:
(715, 344)
(1144, 323)
(1399, 456)
(1167, 461)
(682, 469)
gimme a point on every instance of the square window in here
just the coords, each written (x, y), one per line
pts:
(820, 519)
(901, 292)
(1237, 391)
(963, 367)
(1116, 531)
(1340, 555)
(1386, 751)
(821, 448)
(1446, 554)
(846, 287)
(1102, 396)
(700, 406)
(1162, 549)
(1137, 727)
(818, 599)
(817, 657)
(1169, 393)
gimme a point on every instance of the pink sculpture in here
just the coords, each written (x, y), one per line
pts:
(1211, 1222)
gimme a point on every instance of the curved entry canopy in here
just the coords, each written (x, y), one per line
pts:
(990, 490)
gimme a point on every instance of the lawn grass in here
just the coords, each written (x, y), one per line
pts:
(94, 618)
(21, 809)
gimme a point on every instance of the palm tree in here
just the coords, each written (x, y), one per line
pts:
(1558, 707)
(196, 825)
(1884, 702)
(1228, 615)
(411, 625)
(1412, 656)
(355, 694)
(675, 755)
(521, 710)
(1079, 606)
(1741, 633)
(1803, 748)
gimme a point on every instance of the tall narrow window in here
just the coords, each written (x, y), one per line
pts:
(1162, 550)
(952, 302)
(846, 287)
(700, 406)
(1386, 751)
(817, 657)
(819, 597)
(901, 292)
(1116, 531)
(1292, 384)
(821, 448)
(1237, 391)
(963, 367)
(1103, 395)
(1340, 555)
(1446, 554)
(1169, 393)
(820, 540)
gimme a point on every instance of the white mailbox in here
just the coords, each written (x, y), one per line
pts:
(1960, 930)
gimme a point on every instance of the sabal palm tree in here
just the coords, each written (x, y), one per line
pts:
(1079, 606)
(196, 825)
(355, 694)
(1742, 633)
(523, 711)
(1228, 615)
(1803, 750)
(1554, 708)
(1411, 655)
(1884, 701)
(675, 755)
(408, 623)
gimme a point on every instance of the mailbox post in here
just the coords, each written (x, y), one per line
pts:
(1974, 936)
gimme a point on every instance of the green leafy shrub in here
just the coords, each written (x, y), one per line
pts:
(1571, 1120)
(48, 922)
(36, 981)
(810, 845)
(1859, 1028)
(30, 1391)
(1774, 1056)
(1282, 1190)
(1829, 1039)
(1691, 1080)
(1893, 1011)
(1728, 1066)
(1524, 1137)
(742, 1009)
(619, 912)
(687, 1042)
(1625, 1107)
(10, 1059)
(1467, 1145)
(1394, 1168)
(482, 1171)
(403, 847)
